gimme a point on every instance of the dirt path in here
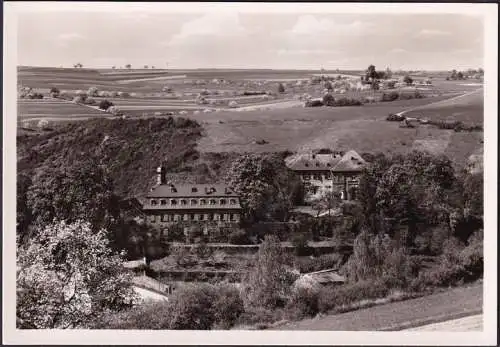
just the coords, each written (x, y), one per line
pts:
(437, 103)
(471, 323)
(452, 304)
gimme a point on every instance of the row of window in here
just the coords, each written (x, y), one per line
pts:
(233, 217)
(194, 190)
(335, 179)
(317, 164)
(184, 202)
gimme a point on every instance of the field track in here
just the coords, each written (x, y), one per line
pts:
(470, 323)
(455, 303)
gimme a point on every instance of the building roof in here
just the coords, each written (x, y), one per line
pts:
(350, 161)
(313, 162)
(191, 190)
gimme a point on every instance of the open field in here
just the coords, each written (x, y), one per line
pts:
(361, 128)
(454, 303)
(53, 108)
(466, 108)
(276, 124)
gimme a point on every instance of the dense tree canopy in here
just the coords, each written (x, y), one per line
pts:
(82, 191)
(418, 191)
(266, 186)
(67, 276)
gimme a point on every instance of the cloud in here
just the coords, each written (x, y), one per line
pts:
(311, 25)
(215, 25)
(432, 32)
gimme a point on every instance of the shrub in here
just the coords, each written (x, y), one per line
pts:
(303, 303)
(313, 103)
(115, 111)
(269, 282)
(93, 92)
(35, 96)
(105, 104)
(79, 99)
(389, 96)
(239, 237)
(335, 298)
(54, 92)
(471, 257)
(328, 100)
(259, 315)
(301, 243)
(204, 306)
(346, 101)
(281, 88)
(248, 93)
(192, 307)
(228, 306)
(90, 101)
(149, 315)
(43, 124)
(456, 265)
(395, 117)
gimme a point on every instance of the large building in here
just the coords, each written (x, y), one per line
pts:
(329, 172)
(187, 204)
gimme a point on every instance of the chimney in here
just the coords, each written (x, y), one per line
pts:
(161, 174)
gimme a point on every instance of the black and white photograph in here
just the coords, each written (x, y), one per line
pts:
(250, 173)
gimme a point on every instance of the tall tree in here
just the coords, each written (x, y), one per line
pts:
(67, 277)
(371, 73)
(266, 186)
(269, 283)
(83, 190)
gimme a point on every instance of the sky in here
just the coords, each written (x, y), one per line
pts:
(228, 39)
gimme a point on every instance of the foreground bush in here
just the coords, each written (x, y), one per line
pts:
(458, 264)
(303, 303)
(333, 298)
(67, 276)
(194, 307)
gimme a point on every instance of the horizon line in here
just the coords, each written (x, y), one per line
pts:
(237, 68)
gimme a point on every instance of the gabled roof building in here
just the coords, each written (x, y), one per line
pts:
(168, 203)
(335, 171)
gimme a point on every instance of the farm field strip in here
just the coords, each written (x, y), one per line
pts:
(160, 78)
